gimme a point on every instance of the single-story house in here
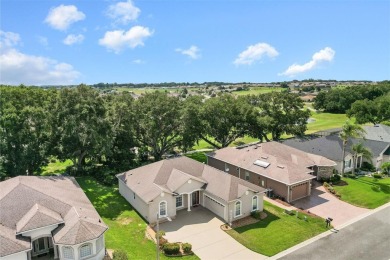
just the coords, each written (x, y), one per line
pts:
(272, 165)
(377, 132)
(331, 147)
(160, 189)
(48, 215)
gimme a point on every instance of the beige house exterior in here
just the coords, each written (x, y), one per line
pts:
(286, 171)
(160, 189)
(48, 216)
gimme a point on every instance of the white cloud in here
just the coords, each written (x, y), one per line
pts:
(255, 53)
(72, 39)
(123, 12)
(61, 17)
(138, 61)
(192, 52)
(119, 39)
(43, 41)
(19, 68)
(8, 39)
(326, 54)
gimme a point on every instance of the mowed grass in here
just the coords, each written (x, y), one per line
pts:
(257, 90)
(324, 121)
(56, 167)
(364, 192)
(239, 141)
(278, 232)
(198, 156)
(126, 228)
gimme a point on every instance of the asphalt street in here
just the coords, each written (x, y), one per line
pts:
(368, 238)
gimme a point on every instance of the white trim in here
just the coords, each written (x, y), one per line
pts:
(18, 233)
(159, 209)
(235, 210)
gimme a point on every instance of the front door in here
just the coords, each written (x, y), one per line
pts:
(195, 198)
(40, 246)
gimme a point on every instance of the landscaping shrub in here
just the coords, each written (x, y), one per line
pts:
(351, 176)
(171, 248)
(187, 247)
(368, 167)
(120, 255)
(255, 214)
(323, 179)
(377, 176)
(326, 185)
(335, 178)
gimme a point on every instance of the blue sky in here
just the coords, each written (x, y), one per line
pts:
(72, 42)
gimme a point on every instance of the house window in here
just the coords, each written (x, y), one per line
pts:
(237, 209)
(179, 201)
(99, 244)
(67, 251)
(163, 208)
(133, 195)
(247, 176)
(254, 203)
(85, 250)
(262, 183)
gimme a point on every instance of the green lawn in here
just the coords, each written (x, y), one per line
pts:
(239, 141)
(257, 90)
(126, 228)
(198, 156)
(278, 232)
(325, 121)
(362, 192)
(55, 167)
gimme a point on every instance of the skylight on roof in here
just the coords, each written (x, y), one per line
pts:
(261, 163)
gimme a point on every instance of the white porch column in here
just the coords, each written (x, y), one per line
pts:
(55, 251)
(29, 255)
(189, 202)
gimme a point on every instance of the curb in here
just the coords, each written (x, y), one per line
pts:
(329, 232)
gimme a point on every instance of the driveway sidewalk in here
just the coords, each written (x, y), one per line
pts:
(201, 228)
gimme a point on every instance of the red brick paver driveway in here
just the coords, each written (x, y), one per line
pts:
(326, 205)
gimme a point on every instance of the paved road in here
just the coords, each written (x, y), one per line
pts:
(368, 238)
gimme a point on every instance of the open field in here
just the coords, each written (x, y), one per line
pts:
(55, 167)
(325, 121)
(366, 192)
(278, 231)
(126, 228)
(257, 90)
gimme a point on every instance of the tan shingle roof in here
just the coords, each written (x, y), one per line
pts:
(29, 202)
(150, 180)
(286, 164)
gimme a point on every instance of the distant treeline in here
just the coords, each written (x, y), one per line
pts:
(104, 134)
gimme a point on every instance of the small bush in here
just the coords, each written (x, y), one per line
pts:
(377, 176)
(335, 178)
(368, 167)
(187, 247)
(376, 188)
(351, 176)
(255, 214)
(53, 160)
(326, 185)
(323, 179)
(171, 248)
(120, 255)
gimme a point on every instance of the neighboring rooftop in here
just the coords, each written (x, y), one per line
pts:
(273, 160)
(331, 146)
(167, 175)
(378, 133)
(31, 202)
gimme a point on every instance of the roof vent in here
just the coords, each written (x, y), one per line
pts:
(261, 163)
(280, 166)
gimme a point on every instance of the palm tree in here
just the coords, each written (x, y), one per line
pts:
(349, 130)
(360, 149)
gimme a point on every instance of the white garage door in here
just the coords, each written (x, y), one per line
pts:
(215, 206)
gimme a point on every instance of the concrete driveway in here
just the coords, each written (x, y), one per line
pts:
(326, 205)
(201, 228)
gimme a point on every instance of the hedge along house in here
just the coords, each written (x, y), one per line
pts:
(284, 170)
(162, 188)
(50, 217)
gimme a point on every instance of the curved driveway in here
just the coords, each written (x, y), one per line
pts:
(201, 228)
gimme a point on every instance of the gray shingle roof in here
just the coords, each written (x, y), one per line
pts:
(30, 202)
(378, 133)
(149, 181)
(331, 146)
(286, 164)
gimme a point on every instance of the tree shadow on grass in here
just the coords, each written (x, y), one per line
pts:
(385, 188)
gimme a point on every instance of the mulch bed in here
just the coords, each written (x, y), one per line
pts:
(283, 202)
(340, 183)
(244, 221)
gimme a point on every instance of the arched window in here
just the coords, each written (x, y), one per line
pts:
(254, 203)
(163, 209)
(99, 244)
(85, 250)
(67, 252)
(237, 209)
